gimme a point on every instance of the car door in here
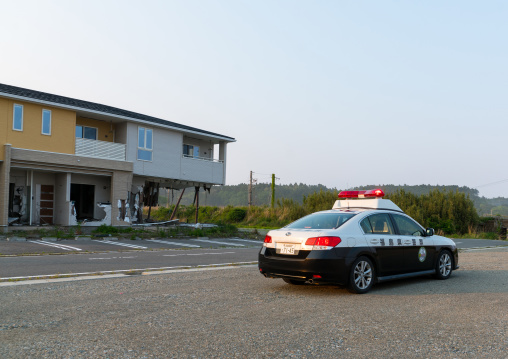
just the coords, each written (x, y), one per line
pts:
(418, 249)
(380, 235)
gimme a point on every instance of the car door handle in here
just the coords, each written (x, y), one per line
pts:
(407, 241)
(374, 241)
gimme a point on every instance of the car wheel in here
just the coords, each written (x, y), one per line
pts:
(444, 265)
(361, 277)
(293, 281)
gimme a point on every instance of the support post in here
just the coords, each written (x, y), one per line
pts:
(150, 199)
(273, 189)
(250, 190)
(197, 204)
(177, 204)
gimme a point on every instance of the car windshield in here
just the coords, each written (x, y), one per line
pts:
(321, 221)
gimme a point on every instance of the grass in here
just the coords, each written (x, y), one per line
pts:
(475, 235)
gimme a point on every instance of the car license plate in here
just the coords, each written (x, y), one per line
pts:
(287, 249)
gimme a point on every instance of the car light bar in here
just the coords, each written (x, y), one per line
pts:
(373, 193)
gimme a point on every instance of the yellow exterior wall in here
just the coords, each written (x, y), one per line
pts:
(105, 129)
(3, 126)
(63, 123)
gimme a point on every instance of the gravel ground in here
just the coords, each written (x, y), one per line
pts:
(237, 313)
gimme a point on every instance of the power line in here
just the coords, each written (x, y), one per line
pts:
(488, 184)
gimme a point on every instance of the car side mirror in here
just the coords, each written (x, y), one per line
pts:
(429, 232)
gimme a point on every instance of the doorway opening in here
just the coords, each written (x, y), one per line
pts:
(83, 196)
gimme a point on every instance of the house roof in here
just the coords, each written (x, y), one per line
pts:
(68, 102)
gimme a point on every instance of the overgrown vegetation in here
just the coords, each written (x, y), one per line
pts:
(236, 195)
(448, 212)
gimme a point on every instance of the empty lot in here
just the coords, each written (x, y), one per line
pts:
(235, 312)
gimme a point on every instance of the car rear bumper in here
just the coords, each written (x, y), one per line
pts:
(326, 266)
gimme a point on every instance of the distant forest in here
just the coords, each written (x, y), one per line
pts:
(237, 195)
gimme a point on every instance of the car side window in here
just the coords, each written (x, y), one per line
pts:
(407, 227)
(381, 223)
(365, 224)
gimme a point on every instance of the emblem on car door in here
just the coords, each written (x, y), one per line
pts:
(288, 233)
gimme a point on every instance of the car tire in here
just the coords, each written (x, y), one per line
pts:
(361, 276)
(444, 265)
(293, 281)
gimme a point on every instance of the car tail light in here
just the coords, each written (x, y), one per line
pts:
(328, 242)
(373, 193)
(268, 239)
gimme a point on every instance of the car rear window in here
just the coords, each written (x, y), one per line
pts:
(321, 221)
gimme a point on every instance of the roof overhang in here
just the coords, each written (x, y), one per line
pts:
(104, 116)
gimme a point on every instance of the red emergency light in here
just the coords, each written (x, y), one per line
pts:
(373, 193)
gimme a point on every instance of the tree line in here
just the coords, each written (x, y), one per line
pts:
(237, 195)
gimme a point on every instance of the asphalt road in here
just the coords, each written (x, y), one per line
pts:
(234, 312)
(36, 266)
(48, 246)
(105, 255)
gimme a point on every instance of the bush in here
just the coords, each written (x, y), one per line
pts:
(236, 215)
(105, 229)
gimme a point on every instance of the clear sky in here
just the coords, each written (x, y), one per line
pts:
(342, 93)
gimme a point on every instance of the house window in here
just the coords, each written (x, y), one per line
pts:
(46, 122)
(145, 145)
(17, 118)
(89, 133)
(190, 151)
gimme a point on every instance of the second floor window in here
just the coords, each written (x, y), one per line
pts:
(190, 151)
(89, 133)
(17, 118)
(46, 122)
(145, 144)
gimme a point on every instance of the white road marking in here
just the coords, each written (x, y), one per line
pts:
(174, 243)
(111, 258)
(246, 240)
(133, 246)
(55, 245)
(194, 254)
(483, 248)
(117, 274)
(217, 242)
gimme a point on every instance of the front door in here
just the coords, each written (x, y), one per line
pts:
(419, 250)
(44, 202)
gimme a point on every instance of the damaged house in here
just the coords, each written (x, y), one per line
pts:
(66, 161)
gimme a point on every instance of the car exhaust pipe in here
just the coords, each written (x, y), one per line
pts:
(311, 281)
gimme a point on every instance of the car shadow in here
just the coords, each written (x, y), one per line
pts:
(461, 282)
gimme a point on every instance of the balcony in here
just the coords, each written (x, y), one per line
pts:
(202, 169)
(100, 149)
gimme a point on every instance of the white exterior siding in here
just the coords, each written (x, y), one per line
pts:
(167, 156)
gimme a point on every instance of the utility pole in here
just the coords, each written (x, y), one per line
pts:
(250, 190)
(273, 189)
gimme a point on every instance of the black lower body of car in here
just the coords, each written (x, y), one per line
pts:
(358, 268)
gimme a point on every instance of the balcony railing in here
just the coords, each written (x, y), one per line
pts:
(100, 149)
(203, 158)
(201, 169)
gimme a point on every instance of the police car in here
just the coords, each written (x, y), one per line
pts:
(364, 239)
